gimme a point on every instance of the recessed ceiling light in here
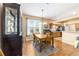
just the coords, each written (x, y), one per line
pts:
(74, 13)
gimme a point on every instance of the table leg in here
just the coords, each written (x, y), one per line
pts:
(52, 42)
(40, 46)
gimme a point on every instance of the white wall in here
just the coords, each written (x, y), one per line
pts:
(23, 26)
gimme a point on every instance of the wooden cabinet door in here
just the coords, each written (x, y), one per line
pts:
(77, 27)
(11, 40)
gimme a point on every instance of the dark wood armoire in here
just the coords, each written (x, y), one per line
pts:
(11, 39)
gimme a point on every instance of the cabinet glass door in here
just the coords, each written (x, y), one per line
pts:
(10, 21)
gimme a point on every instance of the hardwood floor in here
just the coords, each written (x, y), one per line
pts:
(28, 49)
(64, 49)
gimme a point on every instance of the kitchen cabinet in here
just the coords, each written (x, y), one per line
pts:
(72, 27)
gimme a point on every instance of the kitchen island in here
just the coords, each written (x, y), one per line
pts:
(70, 38)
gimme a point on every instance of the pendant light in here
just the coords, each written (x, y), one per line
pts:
(42, 10)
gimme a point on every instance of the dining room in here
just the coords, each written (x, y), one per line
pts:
(39, 29)
(46, 32)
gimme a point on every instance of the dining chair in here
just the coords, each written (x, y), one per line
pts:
(35, 40)
(49, 38)
(39, 42)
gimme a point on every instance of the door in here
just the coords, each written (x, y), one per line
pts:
(11, 40)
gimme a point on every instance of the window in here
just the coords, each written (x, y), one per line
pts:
(33, 26)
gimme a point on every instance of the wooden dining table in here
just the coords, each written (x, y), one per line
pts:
(42, 37)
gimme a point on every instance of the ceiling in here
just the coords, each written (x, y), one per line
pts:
(53, 11)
